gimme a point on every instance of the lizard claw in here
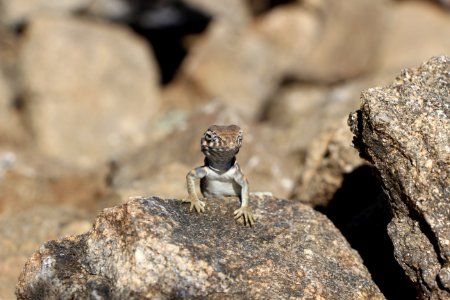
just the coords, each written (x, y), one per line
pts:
(197, 204)
(246, 213)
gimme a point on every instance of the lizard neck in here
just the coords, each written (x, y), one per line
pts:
(220, 166)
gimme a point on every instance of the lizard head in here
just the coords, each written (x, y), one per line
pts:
(221, 143)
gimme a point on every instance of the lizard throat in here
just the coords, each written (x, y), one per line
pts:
(220, 166)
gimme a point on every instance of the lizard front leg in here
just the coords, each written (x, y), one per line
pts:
(244, 211)
(194, 174)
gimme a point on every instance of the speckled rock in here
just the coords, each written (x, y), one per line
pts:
(404, 130)
(151, 248)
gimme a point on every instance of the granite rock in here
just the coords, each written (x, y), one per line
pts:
(154, 248)
(403, 129)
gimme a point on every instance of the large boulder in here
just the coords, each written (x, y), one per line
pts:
(152, 248)
(403, 129)
(90, 88)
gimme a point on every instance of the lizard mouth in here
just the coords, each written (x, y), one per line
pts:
(220, 153)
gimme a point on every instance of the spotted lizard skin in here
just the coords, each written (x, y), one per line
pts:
(221, 175)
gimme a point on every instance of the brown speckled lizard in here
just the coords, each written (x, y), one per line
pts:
(221, 175)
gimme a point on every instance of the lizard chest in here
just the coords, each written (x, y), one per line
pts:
(215, 184)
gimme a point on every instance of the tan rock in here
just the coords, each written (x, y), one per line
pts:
(346, 41)
(18, 11)
(417, 31)
(27, 180)
(232, 65)
(21, 233)
(233, 11)
(323, 43)
(91, 89)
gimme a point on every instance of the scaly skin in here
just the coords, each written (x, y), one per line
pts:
(221, 175)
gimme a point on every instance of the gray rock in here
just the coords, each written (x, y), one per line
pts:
(403, 129)
(91, 89)
(151, 248)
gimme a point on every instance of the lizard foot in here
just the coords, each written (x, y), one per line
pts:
(246, 213)
(196, 203)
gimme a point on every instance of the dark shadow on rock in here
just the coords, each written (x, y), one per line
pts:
(361, 212)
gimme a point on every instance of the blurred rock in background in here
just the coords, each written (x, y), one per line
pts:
(102, 100)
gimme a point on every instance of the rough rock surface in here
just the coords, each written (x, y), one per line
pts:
(96, 99)
(151, 248)
(403, 129)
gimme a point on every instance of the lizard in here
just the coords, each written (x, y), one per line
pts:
(221, 175)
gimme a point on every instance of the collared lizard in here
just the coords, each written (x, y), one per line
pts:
(221, 175)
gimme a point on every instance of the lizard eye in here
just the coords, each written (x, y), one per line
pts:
(209, 137)
(239, 140)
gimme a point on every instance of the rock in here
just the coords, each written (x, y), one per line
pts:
(325, 40)
(246, 64)
(113, 9)
(22, 232)
(431, 26)
(27, 179)
(301, 111)
(328, 160)
(403, 130)
(154, 248)
(234, 11)
(18, 11)
(105, 76)
(230, 64)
